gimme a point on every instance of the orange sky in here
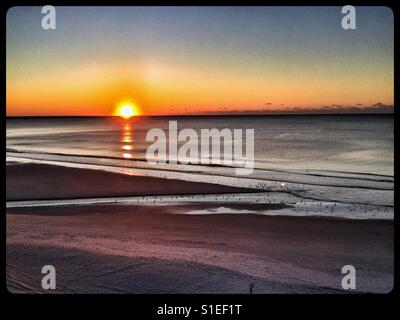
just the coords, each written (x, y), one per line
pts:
(83, 71)
(95, 90)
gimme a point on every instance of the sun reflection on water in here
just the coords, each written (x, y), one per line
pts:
(127, 139)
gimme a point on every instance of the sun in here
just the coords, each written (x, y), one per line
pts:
(127, 110)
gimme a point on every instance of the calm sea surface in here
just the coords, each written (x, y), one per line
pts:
(351, 143)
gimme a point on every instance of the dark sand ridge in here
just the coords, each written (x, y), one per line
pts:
(40, 181)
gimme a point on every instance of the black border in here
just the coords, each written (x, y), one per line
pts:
(143, 306)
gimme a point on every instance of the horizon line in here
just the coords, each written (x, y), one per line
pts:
(208, 115)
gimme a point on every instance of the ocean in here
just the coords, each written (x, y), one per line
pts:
(341, 143)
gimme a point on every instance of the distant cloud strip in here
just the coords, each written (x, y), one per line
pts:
(334, 108)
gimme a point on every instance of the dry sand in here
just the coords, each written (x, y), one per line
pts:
(159, 249)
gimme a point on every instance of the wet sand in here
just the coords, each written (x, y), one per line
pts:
(41, 181)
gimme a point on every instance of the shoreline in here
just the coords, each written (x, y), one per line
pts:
(44, 185)
(33, 208)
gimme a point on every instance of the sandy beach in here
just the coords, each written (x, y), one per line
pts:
(160, 249)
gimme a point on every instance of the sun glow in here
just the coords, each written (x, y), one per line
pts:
(127, 110)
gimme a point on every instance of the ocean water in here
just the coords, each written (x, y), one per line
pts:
(342, 143)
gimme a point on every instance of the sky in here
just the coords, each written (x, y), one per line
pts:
(198, 60)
